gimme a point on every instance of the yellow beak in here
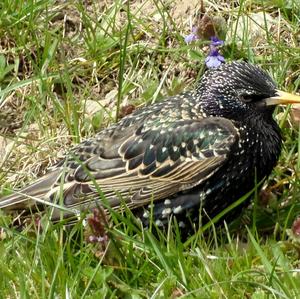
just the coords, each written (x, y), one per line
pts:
(282, 98)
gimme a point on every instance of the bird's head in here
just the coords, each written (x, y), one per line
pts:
(239, 89)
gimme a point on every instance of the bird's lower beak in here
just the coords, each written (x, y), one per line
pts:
(282, 98)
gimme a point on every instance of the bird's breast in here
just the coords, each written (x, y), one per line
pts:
(251, 160)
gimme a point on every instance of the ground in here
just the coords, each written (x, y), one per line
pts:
(68, 69)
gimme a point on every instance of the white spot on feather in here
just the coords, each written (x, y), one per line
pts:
(167, 202)
(146, 214)
(177, 210)
(181, 224)
(166, 212)
(158, 222)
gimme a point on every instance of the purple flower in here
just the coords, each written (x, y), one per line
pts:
(191, 37)
(214, 41)
(214, 59)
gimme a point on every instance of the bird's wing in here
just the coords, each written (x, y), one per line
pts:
(148, 165)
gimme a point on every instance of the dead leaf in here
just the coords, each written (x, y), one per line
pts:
(295, 113)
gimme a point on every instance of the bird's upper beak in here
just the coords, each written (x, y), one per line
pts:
(282, 98)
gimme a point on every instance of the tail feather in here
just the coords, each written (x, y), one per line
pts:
(24, 199)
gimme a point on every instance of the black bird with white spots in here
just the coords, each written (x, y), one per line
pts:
(202, 149)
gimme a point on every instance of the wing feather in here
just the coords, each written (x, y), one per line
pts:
(141, 163)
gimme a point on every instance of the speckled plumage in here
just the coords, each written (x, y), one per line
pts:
(204, 148)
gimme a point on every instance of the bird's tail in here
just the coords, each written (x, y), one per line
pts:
(27, 197)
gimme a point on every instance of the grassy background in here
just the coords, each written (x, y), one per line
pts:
(68, 69)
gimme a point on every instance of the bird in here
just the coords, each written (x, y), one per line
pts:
(190, 154)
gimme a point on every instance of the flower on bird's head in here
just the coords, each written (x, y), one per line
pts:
(214, 41)
(214, 59)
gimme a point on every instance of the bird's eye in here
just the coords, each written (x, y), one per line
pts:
(246, 98)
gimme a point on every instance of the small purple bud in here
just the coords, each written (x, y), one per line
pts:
(192, 36)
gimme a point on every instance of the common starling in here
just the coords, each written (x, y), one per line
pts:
(202, 149)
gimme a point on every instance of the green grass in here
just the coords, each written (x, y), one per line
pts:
(69, 69)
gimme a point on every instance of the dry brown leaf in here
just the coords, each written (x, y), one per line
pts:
(295, 113)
